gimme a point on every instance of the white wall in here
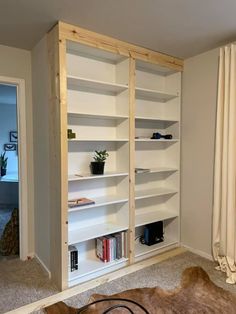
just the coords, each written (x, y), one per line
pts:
(17, 63)
(8, 123)
(197, 160)
(41, 150)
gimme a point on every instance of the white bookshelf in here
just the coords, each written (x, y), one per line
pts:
(112, 99)
(157, 191)
(98, 112)
(93, 232)
(102, 201)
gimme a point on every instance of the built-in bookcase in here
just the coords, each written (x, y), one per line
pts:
(157, 191)
(114, 96)
(98, 113)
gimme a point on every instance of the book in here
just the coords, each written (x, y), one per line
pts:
(80, 202)
(142, 170)
(73, 260)
(112, 247)
(101, 249)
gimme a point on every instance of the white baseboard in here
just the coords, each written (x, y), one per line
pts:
(43, 265)
(198, 252)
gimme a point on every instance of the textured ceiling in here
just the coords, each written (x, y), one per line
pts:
(181, 28)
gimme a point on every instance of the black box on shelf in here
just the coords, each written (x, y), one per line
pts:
(153, 233)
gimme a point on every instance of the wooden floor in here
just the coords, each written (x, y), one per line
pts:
(94, 283)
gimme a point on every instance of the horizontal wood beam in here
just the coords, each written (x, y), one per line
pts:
(78, 34)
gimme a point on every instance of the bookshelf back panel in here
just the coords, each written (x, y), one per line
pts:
(80, 155)
(149, 80)
(169, 227)
(99, 128)
(86, 250)
(146, 181)
(99, 188)
(90, 68)
(95, 69)
(159, 155)
(147, 128)
(92, 103)
(151, 109)
(161, 203)
(112, 214)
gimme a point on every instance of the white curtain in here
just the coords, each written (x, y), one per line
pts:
(224, 207)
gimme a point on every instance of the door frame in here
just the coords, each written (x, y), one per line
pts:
(22, 163)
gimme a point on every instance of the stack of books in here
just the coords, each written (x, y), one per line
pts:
(112, 247)
(73, 259)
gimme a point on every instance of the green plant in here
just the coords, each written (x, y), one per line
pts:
(3, 161)
(100, 156)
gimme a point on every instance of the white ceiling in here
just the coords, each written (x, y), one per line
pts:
(181, 28)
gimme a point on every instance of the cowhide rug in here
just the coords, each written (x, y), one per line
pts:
(196, 294)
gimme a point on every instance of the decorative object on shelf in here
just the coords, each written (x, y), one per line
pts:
(158, 136)
(13, 136)
(3, 164)
(80, 202)
(97, 166)
(9, 147)
(70, 134)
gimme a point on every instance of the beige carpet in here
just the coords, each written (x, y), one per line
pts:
(22, 283)
(166, 275)
(27, 282)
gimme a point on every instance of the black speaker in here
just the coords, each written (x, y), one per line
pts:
(153, 233)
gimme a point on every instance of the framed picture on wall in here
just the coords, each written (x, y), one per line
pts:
(9, 147)
(13, 136)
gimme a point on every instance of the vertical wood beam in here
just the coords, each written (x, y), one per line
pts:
(58, 159)
(131, 160)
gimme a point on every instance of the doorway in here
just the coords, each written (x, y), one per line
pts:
(13, 179)
(9, 182)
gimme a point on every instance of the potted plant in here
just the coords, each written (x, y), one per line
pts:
(3, 164)
(97, 166)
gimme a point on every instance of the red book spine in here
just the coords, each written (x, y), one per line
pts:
(105, 259)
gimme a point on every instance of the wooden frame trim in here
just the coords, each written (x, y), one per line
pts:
(22, 162)
(131, 160)
(58, 161)
(78, 34)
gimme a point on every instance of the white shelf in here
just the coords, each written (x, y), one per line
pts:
(158, 170)
(153, 95)
(169, 121)
(153, 193)
(93, 53)
(98, 140)
(89, 176)
(101, 201)
(142, 249)
(157, 215)
(96, 116)
(173, 140)
(91, 266)
(101, 87)
(154, 68)
(92, 232)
